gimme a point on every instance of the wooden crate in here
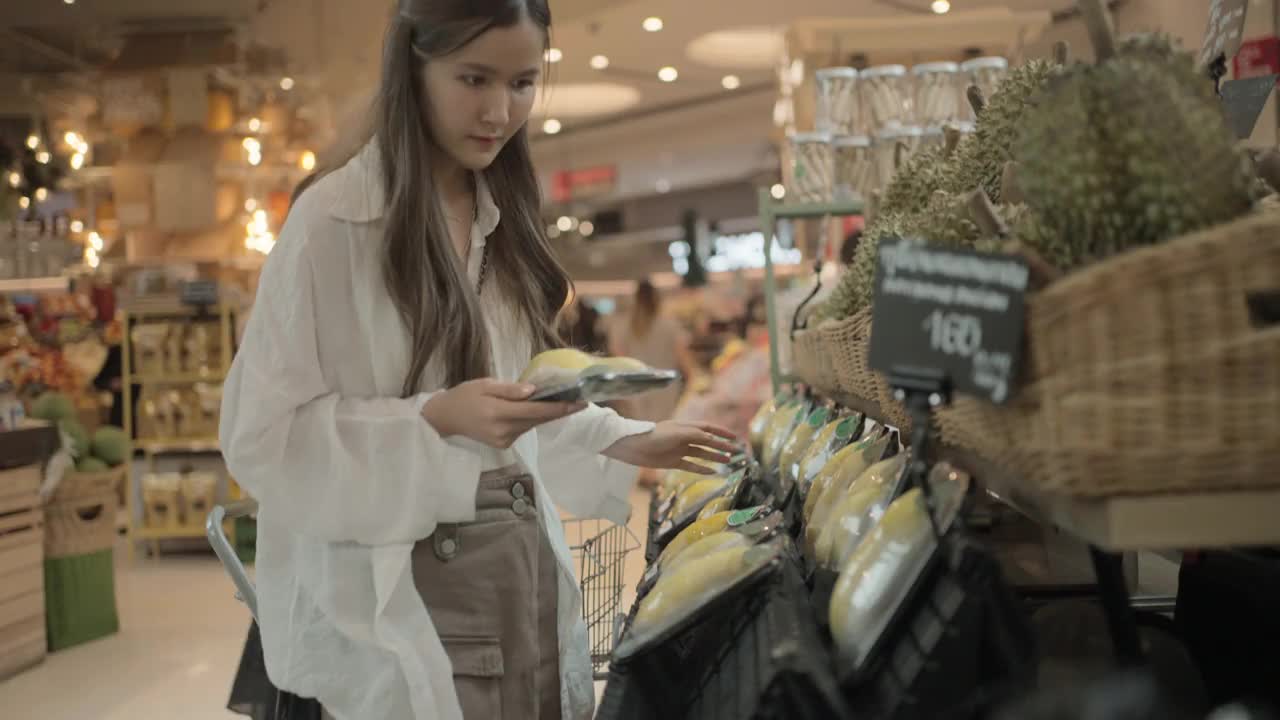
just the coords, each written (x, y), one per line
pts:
(22, 614)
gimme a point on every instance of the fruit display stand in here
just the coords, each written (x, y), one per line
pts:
(172, 392)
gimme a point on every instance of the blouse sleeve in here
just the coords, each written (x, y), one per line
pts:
(369, 470)
(579, 478)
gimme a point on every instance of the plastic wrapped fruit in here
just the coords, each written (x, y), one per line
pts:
(796, 445)
(718, 523)
(882, 569)
(716, 542)
(780, 430)
(859, 509)
(717, 505)
(851, 469)
(760, 421)
(695, 494)
(838, 468)
(691, 586)
(831, 440)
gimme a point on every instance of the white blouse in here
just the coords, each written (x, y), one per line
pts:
(349, 476)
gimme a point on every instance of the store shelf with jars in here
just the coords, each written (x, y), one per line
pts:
(176, 357)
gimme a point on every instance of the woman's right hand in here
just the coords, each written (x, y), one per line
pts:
(491, 412)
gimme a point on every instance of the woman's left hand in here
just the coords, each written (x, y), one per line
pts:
(670, 443)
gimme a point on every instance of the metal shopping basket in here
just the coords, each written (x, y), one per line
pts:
(598, 549)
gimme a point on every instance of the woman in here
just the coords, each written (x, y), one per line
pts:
(411, 562)
(658, 340)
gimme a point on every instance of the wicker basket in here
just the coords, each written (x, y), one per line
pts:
(1146, 373)
(848, 340)
(813, 361)
(81, 516)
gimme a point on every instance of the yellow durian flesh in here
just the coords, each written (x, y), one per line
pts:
(780, 429)
(760, 422)
(856, 464)
(799, 442)
(618, 365)
(718, 505)
(835, 468)
(836, 436)
(694, 493)
(696, 531)
(557, 367)
(691, 582)
(853, 516)
(716, 542)
(878, 573)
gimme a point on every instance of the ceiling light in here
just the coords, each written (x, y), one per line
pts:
(565, 223)
(33, 142)
(72, 139)
(24, 202)
(77, 161)
(653, 24)
(941, 7)
(255, 158)
(69, 2)
(77, 226)
(286, 83)
(599, 62)
(307, 161)
(553, 231)
(663, 186)
(15, 179)
(587, 228)
(551, 126)
(553, 55)
(778, 191)
(43, 157)
(250, 205)
(253, 145)
(668, 74)
(730, 82)
(95, 241)
(41, 195)
(255, 124)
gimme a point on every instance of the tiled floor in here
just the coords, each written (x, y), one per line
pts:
(182, 631)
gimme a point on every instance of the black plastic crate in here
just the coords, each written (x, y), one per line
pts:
(651, 548)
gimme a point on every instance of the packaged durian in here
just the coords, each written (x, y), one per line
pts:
(717, 505)
(833, 438)
(752, 525)
(693, 589)
(850, 470)
(881, 572)
(569, 375)
(798, 444)
(874, 441)
(760, 421)
(688, 505)
(784, 422)
(859, 510)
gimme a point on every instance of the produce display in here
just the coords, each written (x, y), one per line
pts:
(862, 505)
(799, 443)
(104, 449)
(834, 438)
(825, 496)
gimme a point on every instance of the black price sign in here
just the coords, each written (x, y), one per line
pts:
(1243, 100)
(952, 312)
(200, 293)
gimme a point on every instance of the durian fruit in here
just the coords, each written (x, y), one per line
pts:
(858, 511)
(696, 531)
(760, 421)
(877, 575)
(835, 490)
(834, 437)
(717, 505)
(799, 442)
(779, 431)
(979, 159)
(1131, 150)
(557, 367)
(857, 284)
(693, 582)
(915, 182)
(618, 365)
(694, 494)
(715, 542)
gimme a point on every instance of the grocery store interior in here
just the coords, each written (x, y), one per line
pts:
(957, 323)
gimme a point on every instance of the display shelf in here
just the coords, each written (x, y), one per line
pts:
(771, 212)
(1173, 521)
(144, 532)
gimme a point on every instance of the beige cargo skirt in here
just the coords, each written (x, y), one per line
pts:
(491, 588)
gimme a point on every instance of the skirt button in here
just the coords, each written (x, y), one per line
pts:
(517, 490)
(519, 506)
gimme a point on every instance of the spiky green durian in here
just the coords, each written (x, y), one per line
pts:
(916, 181)
(978, 162)
(1129, 151)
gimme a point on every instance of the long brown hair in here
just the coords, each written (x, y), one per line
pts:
(420, 268)
(644, 310)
